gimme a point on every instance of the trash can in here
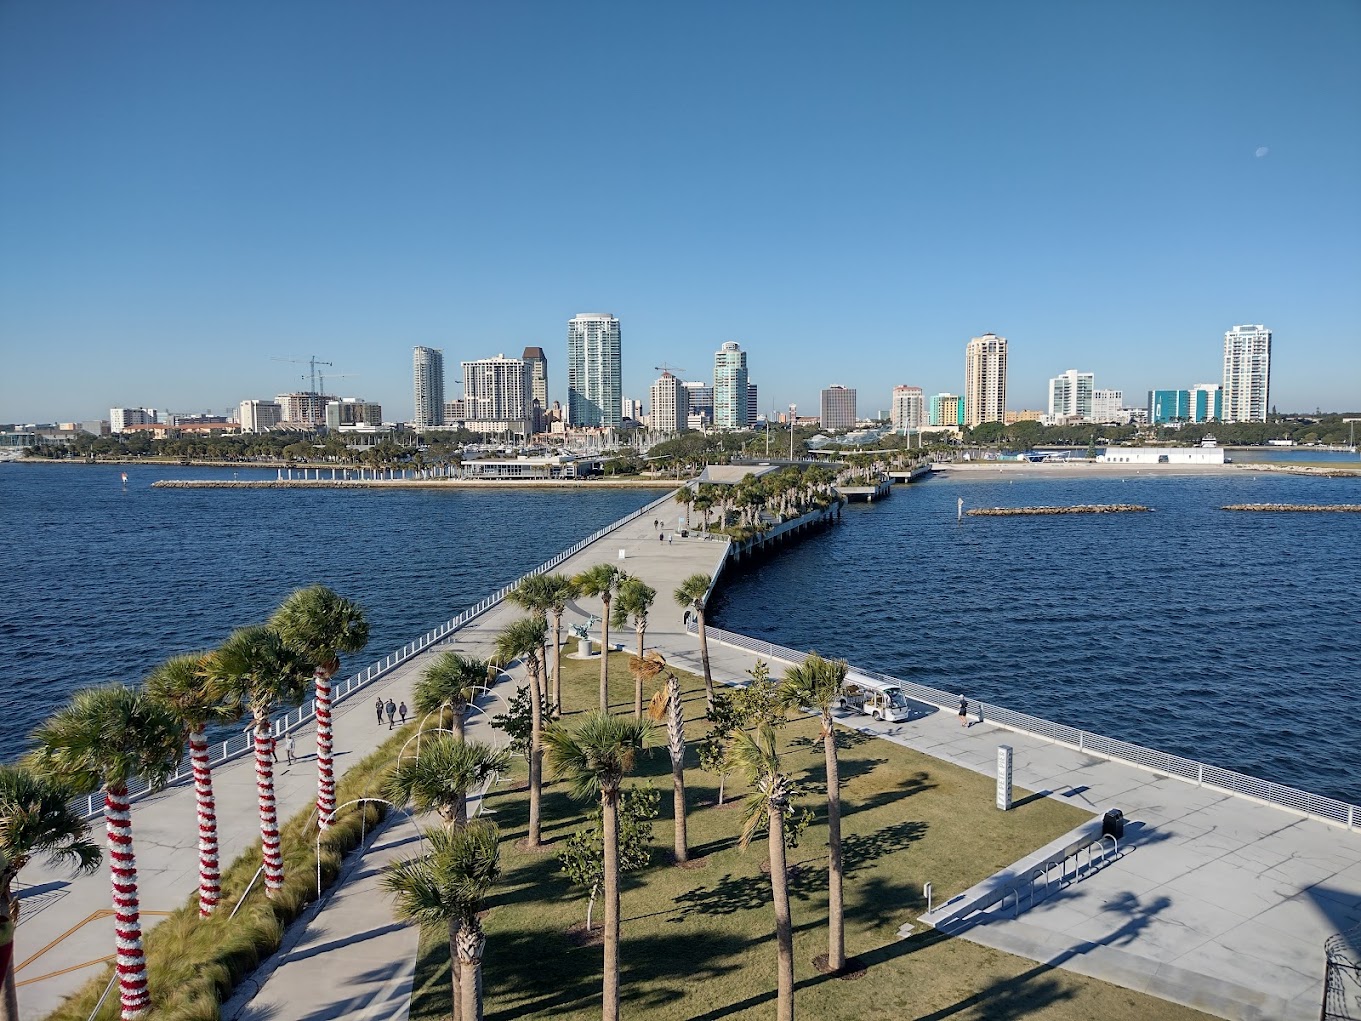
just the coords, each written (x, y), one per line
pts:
(1113, 824)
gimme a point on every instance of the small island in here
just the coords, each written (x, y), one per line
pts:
(1081, 508)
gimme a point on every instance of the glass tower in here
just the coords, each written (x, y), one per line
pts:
(594, 375)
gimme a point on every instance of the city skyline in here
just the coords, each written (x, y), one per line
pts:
(1092, 213)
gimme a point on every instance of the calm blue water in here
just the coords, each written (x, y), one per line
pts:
(1231, 638)
(99, 582)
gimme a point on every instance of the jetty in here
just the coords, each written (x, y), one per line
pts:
(1296, 508)
(875, 490)
(1221, 895)
(1081, 508)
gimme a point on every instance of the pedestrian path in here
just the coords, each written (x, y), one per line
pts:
(1220, 902)
(65, 932)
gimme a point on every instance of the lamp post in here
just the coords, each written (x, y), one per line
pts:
(792, 409)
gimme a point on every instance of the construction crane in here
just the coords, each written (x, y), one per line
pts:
(675, 370)
(313, 362)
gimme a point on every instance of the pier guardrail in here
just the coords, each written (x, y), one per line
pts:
(1199, 773)
(91, 806)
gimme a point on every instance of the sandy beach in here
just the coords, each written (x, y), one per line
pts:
(993, 470)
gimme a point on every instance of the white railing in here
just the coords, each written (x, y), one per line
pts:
(1198, 773)
(91, 806)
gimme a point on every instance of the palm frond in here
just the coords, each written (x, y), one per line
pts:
(451, 680)
(692, 591)
(36, 819)
(320, 625)
(186, 686)
(816, 682)
(522, 639)
(597, 754)
(105, 736)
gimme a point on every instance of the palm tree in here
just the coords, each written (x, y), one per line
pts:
(532, 594)
(667, 707)
(770, 801)
(816, 683)
(450, 684)
(103, 738)
(594, 759)
(524, 640)
(195, 699)
(261, 671)
(448, 888)
(560, 590)
(694, 593)
(438, 777)
(632, 601)
(35, 818)
(601, 580)
(319, 625)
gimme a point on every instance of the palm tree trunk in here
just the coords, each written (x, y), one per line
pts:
(675, 725)
(9, 997)
(605, 657)
(455, 971)
(557, 664)
(326, 780)
(638, 679)
(704, 658)
(609, 800)
(269, 810)
(471, 944)
(127, 924)
(535, 754)
(784, 931)
(457, 710)
(836, 921)
(209, 875)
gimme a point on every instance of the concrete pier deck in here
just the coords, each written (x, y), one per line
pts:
(65, 932)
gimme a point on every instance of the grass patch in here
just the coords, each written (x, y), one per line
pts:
(698, 942)
(194, 964)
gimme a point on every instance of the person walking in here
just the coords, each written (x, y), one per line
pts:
(963, 711)
(391, 708)
(289, 747)
(401, 711)
(379, 706)
(274, 748)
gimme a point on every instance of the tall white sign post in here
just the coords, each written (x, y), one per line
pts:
(1004, 777)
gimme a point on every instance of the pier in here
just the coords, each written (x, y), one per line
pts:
(906, 475)
(868, 494)
(1216, 900)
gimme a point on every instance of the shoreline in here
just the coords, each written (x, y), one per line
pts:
(416, 484)
(980, 470)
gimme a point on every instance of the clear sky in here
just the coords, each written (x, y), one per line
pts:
(850, 191)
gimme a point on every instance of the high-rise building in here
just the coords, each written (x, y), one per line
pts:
(1207, 402)
(352, 411)
(1247, 374)
(908, 409)
(1070, 395)
(1108, 406)
(946, 409)
(730, 387)
(1169, 406)
(594, 371)
(838, 408)
(121, 418)
(496, 394)
(428, 379)
(454, 412)
(538, 388)
(699, 399)
(631, 409)
(259, 416)
(670, 405)
(302, 410)
(985, 380)
(753, 404)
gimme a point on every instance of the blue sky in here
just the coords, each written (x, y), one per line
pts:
(849, 191)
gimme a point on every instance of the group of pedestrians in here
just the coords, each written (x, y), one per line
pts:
(391, 709)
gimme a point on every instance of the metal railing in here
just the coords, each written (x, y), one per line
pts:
(1199, 773)
(91, 806)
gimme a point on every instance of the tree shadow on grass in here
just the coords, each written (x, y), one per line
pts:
(727, 896)
(917, 783)
(655, 970)
(857, 852)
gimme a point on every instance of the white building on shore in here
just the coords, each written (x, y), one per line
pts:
(1162, 455)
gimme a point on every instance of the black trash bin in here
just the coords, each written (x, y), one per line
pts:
(1113, 824)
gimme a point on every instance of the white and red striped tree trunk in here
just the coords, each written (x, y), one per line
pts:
(326, 780)
(269, 810)
(209, 876)
(130, 962)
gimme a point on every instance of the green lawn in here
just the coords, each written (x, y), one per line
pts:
(698, 941)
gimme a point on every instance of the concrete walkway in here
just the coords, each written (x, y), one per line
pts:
(1218, 902)
(65, 933)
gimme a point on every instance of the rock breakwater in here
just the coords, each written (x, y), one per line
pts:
(1081, 508)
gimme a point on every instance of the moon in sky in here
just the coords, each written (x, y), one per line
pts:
(1262, 150)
